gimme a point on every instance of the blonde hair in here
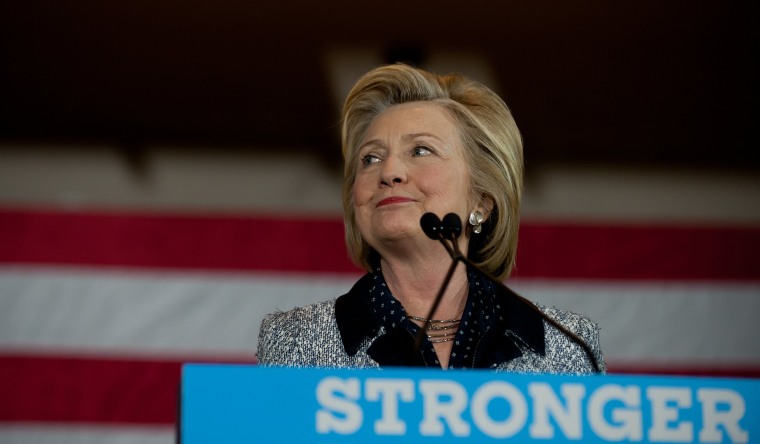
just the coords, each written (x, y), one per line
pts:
(492, 146)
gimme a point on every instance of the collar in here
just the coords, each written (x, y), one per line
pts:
(354, 316)
(523, 320)
(356, 323)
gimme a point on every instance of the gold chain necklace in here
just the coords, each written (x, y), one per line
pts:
(439, 330)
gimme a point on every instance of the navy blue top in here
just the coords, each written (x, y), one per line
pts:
(481, 313)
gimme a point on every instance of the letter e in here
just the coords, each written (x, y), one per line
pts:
(663, 414)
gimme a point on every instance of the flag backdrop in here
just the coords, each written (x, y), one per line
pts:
(99, 309)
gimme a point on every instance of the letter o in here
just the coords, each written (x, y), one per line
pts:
(499, 429)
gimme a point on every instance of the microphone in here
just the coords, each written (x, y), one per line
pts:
(434, 228)
(431, 225)
(452, 226)
(448, 230)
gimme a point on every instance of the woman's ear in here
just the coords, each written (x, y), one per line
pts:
(488, 203)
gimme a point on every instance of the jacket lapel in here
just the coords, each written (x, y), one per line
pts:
(353, 314)
(520, 328)
(396, 349)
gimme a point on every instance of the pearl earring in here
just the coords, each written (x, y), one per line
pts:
(476, 220)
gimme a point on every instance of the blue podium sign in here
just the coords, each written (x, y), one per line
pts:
(247, 403)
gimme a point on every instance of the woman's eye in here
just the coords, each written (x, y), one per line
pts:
(420, 151)
(369, 159)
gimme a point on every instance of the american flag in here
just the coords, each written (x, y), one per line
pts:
(99, 309)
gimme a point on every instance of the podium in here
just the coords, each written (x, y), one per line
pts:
(250, 404)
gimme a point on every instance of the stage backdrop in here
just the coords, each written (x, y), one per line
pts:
(99, 309)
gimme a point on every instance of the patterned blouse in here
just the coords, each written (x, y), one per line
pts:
(479, 316)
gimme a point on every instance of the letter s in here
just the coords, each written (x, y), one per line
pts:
(339, 413)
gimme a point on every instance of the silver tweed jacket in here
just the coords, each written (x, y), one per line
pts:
(343, 332)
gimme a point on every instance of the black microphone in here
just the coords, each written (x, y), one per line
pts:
(448, 230)
(431, 225)
(452, 226)
(434, 229)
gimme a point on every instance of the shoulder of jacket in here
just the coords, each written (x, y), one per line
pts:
(575, 322)
(299, 314)
(581, 325)
(284, 335)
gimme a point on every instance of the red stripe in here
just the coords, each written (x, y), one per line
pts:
(173, 241)
(591, 251)
(88, 390)
(638, 252)
(111, 391)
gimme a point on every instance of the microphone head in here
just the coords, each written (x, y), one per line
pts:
(431, 225)
(452, 226)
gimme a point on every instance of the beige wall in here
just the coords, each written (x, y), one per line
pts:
(295, 182)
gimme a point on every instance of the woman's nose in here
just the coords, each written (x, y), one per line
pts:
(393, 172)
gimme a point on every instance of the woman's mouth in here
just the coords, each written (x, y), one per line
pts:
(393, 200)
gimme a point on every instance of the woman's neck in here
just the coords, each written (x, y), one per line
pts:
(416, 284)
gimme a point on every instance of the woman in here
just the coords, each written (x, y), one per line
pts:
(413, 143)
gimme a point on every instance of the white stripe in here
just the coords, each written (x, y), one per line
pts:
(663, 322)
(218, 313)
(149, 312)
(41, 433)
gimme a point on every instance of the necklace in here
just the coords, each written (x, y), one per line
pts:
(438, 330)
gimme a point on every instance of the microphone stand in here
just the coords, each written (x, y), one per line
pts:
(449, 230)
(436, 229)
(456, 257)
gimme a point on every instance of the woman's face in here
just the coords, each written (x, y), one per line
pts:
(411, 161)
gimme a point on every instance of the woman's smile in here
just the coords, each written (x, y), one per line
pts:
(393, 200)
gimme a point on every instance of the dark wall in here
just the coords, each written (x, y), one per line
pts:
(645, 82)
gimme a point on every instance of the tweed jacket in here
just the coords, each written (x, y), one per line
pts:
(344, 332)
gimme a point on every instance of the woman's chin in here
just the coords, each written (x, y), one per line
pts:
(398, 232)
